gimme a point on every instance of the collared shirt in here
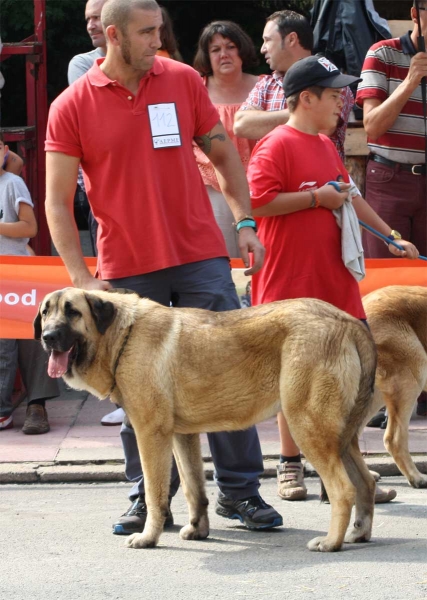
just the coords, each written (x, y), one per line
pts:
(268, 95)
(386, 66)
(81, 63)
(149, 200)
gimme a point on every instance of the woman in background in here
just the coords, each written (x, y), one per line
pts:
(223, 55)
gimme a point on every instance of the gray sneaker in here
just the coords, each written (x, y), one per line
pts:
(133, 521)
(252, 512)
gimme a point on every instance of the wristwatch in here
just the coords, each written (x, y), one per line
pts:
(394, 235)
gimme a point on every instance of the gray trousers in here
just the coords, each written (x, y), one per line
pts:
(236, 455)
(32, 361)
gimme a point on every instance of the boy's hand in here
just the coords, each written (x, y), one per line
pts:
(330, 198)
(410, 250)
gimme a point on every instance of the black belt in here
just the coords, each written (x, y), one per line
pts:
(414, 169)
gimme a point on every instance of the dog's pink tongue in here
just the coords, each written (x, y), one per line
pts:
(58, 363)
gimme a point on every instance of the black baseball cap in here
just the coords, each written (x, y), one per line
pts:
(315, 70)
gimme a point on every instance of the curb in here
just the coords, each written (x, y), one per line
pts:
(23, 473)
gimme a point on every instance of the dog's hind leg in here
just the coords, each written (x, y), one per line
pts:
(155, 450)
(341, 493)
(400, 400)
(365, 493)
(188, 457)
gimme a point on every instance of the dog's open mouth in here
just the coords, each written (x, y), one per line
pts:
(59, 362)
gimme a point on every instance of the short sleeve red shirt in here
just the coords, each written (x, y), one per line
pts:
(151, 205)
(303, 249)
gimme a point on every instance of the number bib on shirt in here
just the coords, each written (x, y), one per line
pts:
(164, 125)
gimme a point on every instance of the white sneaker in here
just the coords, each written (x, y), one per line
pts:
(6, 422)
(114, 418)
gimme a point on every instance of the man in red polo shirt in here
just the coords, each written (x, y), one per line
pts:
(131, 121)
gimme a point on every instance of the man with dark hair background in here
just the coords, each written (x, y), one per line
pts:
(288, 38)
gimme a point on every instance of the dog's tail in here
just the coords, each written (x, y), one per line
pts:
(367, 353)
(360, 393)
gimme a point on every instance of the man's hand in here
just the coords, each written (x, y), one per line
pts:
(410, 250)
(249, 242)
(417, 70)
(330, 198)
(91, 283)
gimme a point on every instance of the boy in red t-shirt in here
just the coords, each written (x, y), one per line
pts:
(288, 177)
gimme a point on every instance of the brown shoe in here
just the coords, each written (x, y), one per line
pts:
(36, 420)
(290, 481)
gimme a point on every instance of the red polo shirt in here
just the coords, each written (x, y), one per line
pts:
(151, 204)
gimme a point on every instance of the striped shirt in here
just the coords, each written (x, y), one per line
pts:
(386, 66)
(268, 95)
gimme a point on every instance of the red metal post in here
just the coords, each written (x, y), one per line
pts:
(43, 244)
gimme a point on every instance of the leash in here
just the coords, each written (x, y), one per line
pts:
(336, 185)
(385, 238)
(422, 48)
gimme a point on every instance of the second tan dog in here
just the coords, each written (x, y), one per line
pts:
(180, 372)
(397, 316)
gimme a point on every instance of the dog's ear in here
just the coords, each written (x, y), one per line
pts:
(37, 324)
(103, 312)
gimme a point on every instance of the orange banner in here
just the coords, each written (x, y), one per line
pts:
(25, 280)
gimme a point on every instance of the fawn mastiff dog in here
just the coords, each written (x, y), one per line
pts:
(179, 372)
(397, 316)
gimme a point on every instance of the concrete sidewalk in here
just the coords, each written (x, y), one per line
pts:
(79, 448)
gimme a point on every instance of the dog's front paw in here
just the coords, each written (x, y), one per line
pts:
(322, 544)
(419, 482)
(139, 540)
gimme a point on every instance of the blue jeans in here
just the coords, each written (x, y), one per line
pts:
(236, 455)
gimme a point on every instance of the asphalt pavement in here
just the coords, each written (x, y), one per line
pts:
(56, 544)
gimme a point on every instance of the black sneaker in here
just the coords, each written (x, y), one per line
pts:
(133, 521)
(252, 512)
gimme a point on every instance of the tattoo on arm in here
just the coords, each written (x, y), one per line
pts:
(205, 141)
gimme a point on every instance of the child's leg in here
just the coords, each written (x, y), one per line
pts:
(287, 444)
(8, 365)
(290, 474)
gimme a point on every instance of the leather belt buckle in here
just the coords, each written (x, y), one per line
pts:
(415, 170)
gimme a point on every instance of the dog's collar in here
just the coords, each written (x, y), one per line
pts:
(116, 364)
